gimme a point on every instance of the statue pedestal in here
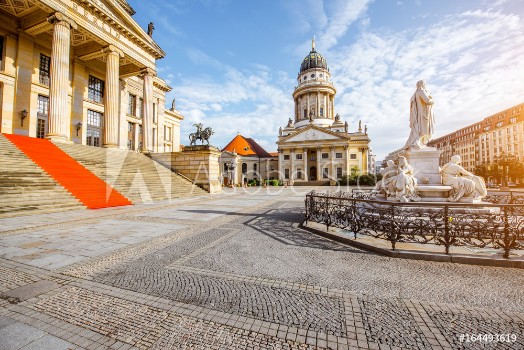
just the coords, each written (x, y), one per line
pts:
(433, 193)
(425, 163)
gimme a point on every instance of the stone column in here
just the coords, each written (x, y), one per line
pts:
(333, 108)
(318, 104)
(332, 158)
(147, 120)
(59, 74)
(291, 171)
(305, 164)
(346, 159)
(319, 165)
(280, 165)
(111, 97)
(307, 104)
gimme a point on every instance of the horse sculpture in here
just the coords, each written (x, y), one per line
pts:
(202, 135)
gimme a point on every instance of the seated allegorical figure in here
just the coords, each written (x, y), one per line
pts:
(404, 184)
(388, 175)
(464, 184)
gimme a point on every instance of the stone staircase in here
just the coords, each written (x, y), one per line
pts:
(134, 175)
(26, 188)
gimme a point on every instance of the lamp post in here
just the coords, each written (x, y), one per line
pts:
(505, 160)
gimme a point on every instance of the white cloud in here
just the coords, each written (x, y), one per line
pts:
(471, 61)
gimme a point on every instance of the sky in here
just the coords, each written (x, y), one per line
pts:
(233, 64)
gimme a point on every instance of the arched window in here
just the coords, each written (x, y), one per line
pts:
(244, 168)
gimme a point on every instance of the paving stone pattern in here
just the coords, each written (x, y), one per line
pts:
(234, 271)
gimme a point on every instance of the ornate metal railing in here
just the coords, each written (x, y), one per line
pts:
(498, 225)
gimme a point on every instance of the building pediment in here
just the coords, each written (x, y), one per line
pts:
(313, 133)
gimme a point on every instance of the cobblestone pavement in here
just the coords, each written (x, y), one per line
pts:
(235, 271)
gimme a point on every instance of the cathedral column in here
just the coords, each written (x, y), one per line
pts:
(111, 98)
(332, 158)
(319, 166)
(280, 165)
(307, 103)
(305, 164)
(59, 76)
(333, 108)
(346, 159)
(291, 171)
(318, 104)
(325, 105)
(147, 120)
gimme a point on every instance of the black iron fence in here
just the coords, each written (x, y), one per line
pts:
(498, 225)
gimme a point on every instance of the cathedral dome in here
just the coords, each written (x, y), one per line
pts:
(313, 60)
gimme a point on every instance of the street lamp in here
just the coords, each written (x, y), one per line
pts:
(505, 160)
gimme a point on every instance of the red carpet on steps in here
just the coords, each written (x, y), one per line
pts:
(83, 184)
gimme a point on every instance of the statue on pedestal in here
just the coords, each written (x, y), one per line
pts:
(464, 184)
(421, 119)
(150, 29)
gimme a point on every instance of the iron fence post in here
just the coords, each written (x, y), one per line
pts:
(507, 240)
(446, 228)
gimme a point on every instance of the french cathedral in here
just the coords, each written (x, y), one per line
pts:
(316, 144)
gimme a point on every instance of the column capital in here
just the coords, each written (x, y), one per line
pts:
(346, 147)
(332, 148)
(147, 71)
(112, 49)
(59, 17)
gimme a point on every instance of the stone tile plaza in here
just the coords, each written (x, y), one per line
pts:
(124, 224)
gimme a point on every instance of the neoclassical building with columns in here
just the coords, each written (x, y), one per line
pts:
(84, 72)
(316, 144)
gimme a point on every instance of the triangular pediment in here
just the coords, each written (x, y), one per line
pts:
(117, 13)
(313, 133)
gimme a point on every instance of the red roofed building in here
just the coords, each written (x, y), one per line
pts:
(250, 161)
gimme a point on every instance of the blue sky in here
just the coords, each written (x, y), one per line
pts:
(233, 63)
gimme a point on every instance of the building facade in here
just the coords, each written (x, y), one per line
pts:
(84, 72)
(483, 142)
(250, 161)
(316, 144)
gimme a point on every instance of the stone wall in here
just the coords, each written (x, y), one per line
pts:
(198, 163)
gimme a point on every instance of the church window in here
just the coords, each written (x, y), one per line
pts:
(43, 74)
(305, 78)
(244, 168)
(299, 173)
(321, 111)
(95, 89)
(286, 173)
(325, 155)
(299, 156)
(339, 173)
(286, 156)
(353, 156)
(325, 173)
(338, 155)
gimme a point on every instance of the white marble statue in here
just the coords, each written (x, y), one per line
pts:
(404, 184)
(421, 119)
(388, 175)
(464, 184)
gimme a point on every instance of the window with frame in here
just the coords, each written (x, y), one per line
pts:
(43, 74)
(339, 173)
(244, 168)
(352, 156)
(325, 155)
(167, 133)
(299, 156)
(140, 136)
(155, 117)
(140, 108)
(131, 136)
(95, 89)
(286, 173)
(321, 111)
(338, 155)
(286, 156)
(94, 128)
(42, 116)
(299, 173)
(131, 105)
